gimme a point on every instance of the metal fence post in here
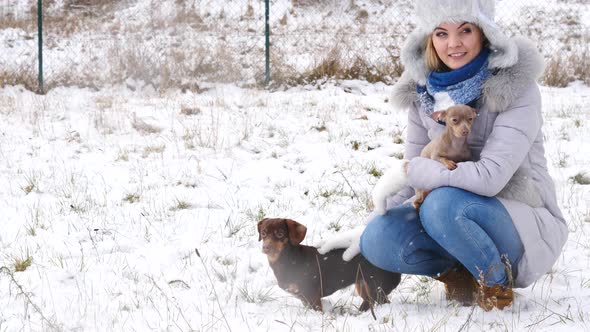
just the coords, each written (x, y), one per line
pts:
(267, 42)
(40, 33)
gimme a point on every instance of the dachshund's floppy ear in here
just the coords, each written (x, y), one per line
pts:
(296, 231)
(260, 226)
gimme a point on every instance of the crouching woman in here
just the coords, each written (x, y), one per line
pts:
(491, 224)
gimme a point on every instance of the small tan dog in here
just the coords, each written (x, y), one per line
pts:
(451, 146)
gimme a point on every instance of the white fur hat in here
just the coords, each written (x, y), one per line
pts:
(430, 13)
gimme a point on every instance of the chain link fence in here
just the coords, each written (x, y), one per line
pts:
(184, 43)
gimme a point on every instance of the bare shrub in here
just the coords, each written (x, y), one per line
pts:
(555, 75)
(362, 16)
(329, 66)
(190, 16)
(561, 71)
(581, 64)
(582, 178)
(187, 110)
(153, 149)
(309, 3)
(62, 17)
(76, 3)
(175, 66)
(579, 2)
(25, 22)
(334, 65)
(281, 72)
(530, 25)
(143, 127)
(124, 59)
(21, 264)
(25, 75)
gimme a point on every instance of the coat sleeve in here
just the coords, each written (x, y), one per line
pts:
(416, 139)
(512, 136)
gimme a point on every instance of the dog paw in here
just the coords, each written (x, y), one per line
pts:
(293, 289)
(365, 306)
(451, 165)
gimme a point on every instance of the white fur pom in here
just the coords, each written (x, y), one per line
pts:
(349, 239)
(392, 181)
(442, 101)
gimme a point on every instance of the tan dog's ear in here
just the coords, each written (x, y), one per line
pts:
(260, 226)
(439, 116)
(296, 231)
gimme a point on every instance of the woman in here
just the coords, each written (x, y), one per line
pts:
(492, 223)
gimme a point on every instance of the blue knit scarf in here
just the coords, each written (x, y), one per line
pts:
(459, 86)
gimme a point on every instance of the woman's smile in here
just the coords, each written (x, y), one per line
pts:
(457, 43)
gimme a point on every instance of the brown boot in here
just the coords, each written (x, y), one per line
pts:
(460, 285)
(494, 297)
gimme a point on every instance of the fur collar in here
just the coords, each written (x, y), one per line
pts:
(499, 91)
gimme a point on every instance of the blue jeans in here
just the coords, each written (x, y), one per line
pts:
(454, 226)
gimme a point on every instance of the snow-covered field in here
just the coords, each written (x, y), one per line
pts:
(110, 193)
(129, 208)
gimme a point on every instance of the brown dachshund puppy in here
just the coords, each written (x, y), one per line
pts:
(450, 147)
(303, 272)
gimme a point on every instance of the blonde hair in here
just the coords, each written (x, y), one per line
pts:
(433, 62)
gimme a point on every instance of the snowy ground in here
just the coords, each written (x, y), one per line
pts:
(110, 192)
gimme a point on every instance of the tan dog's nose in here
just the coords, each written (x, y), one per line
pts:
(464, 131)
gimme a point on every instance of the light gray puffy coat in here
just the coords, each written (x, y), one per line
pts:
(506, 139)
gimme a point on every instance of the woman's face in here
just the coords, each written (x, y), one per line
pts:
(456, 44)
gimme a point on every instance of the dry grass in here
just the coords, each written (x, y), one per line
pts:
(309, 3)
(187, 110)
(81, 3)
(281, 72)
(561, 71)
(577, 2)
(134, 59)
(26, 76)
(335, 65)
(21, 264)
(582, 178)
(126, 54)
(27, 23)
(331, 65)
(63, 17)
(581, 64)
(567, 50)
(555, 75)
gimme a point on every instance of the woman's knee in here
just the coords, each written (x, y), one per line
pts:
(397, 242)
(386, 233)
(441, 198)
(440, 206)
(373, 234)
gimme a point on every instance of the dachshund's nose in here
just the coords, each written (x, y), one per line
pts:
(266, 248)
